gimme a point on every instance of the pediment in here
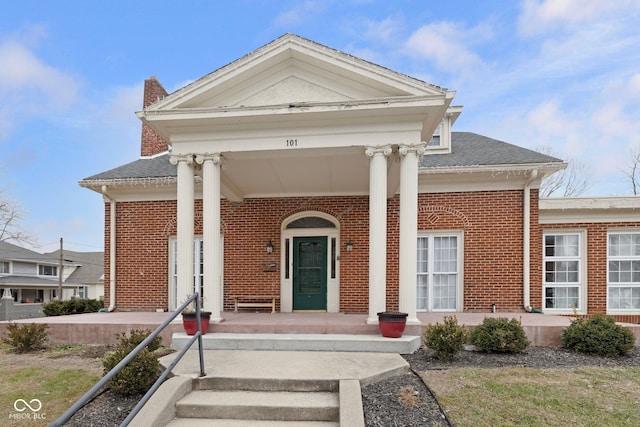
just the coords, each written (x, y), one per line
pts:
(292, 89)
(294, 70)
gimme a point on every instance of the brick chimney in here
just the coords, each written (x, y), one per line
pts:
(152, 143)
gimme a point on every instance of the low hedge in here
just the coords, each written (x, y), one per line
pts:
(72, 306)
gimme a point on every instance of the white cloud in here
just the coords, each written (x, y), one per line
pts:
(540, 17)
(29, 86)
(634, 84)
(299, 14)
(447, 45)
(385, 31)
(21, 70)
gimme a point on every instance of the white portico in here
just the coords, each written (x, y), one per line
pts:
(295, 118)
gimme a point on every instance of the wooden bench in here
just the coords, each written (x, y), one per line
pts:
(255, 301)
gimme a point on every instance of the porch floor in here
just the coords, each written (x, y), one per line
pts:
(100, 328)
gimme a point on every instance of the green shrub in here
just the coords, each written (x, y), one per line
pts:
(446, 339)
(141, 372)
(28, 337)
(72, 306)
(136, 336)
(499, 335)
(599, 335)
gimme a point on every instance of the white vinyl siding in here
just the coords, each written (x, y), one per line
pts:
(623, 272)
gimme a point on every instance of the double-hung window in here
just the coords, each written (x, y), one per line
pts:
(439, 272)
(198, 271)
(4, 267)
(47, 270)
(623, 272)
(562, 261)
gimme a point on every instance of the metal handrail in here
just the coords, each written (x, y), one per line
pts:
(89, 394)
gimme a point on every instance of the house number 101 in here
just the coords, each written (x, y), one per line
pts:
(292, 142)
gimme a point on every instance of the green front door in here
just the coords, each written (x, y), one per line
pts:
(310, 273)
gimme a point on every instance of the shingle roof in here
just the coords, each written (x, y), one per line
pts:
(152, 167)
(470, 149)
(11, 252)
(467, 149)
(91, 267)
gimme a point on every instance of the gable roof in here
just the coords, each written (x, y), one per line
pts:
(91, 266)
(293, 81)
(293, 69)
(11, 252)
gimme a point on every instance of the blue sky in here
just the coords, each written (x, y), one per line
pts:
(563, 74)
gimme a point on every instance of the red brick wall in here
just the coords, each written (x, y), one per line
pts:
(143, 230)
(493, 246)
(596, 264)
(492, 222)
(249, 225)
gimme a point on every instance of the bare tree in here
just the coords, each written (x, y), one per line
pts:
(633, 171)
(569, 182)
(10, 217)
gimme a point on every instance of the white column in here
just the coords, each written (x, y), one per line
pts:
(377, 230)
(211, 233)
(185, 225)
(409, 157)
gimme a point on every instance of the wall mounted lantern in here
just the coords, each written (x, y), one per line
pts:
(269, 247)
(349, 246)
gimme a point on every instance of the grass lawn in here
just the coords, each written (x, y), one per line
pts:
(539, 397)
(55, 381)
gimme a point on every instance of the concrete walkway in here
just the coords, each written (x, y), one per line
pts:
(298, 365)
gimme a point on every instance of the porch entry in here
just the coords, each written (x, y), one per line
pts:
(310, 273)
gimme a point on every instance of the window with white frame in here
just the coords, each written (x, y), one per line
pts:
(47, 270)
(4, 267)
(435, 138)
(438, 281)
(83, 292)
(623, 271)
(198, 270)
(562, 271)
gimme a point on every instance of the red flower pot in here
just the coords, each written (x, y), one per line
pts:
(392, 324)
(190, 322)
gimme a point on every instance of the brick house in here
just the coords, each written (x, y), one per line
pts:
(334, 184)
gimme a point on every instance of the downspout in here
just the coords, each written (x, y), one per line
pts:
(526, 249)
(112, 249)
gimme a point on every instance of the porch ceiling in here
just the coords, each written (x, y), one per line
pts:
(311, 172)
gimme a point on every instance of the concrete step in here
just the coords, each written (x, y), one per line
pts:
(265, 384)
(303, 342)
(199, 422)
(260, 405)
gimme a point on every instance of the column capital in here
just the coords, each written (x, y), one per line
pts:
(418, 148)
(174, 159)
(214, 157)
(385, 150)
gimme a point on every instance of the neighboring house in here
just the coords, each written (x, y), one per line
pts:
(338, 185)
(32, 277)
(86, 272)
